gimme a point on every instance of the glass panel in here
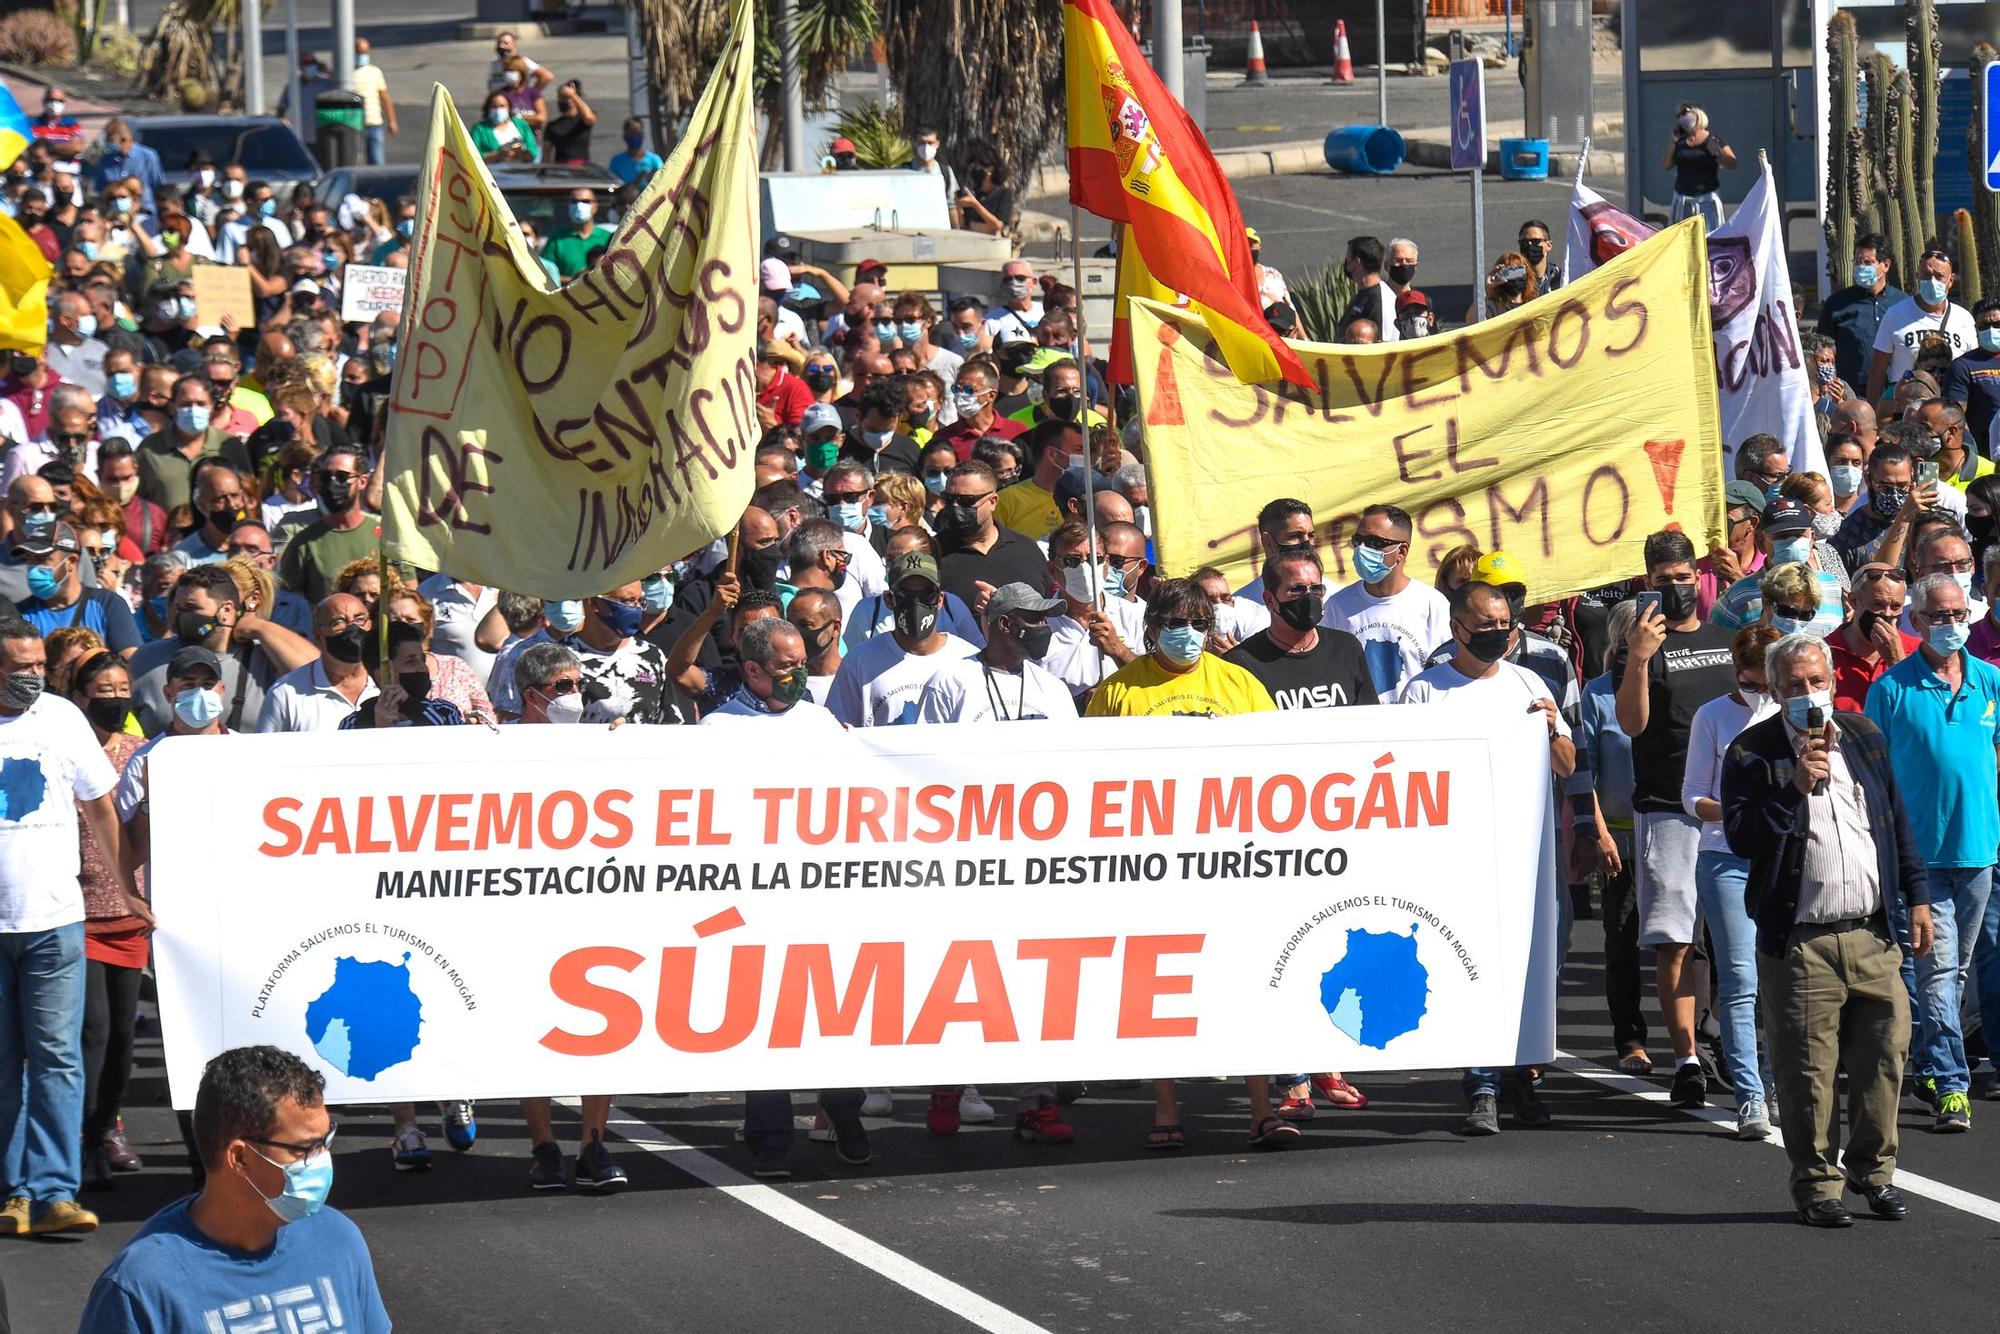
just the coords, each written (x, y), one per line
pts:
(1705, 37)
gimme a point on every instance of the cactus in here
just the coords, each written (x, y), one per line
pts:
(1901, 199)
(1843, 165)
(1878, 159)
(1920, 26)
(1984, 259)
(1966, 248)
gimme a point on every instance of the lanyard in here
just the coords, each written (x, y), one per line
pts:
(997, 697)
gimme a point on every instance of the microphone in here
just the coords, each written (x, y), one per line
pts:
(1816, 725)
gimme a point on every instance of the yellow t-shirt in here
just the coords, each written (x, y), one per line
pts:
(1028, 509)
(252, 402)
(1211, 688)
(370, 83)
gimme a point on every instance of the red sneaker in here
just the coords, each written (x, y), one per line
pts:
(942, 1117)
(1296, 1109)
(1044, 1125)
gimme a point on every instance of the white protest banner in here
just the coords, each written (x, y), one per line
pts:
(1761, 376)
(366, 290)
(466, 912)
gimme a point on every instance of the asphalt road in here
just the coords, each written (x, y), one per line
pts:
(1621, 1215)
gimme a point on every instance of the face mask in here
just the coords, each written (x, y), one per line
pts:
(1413, 326)
(123, 491)
(1302, 613)
(915, 620)
(198, 708)
(1947, 637)
(1825, 373)
(1789, 625)
(1755, 700)
(1791, 549)
(512, 78)
(956, 521)
(821, 455)
(1798, 709)
(39, 526)
(89, 249)
(309, 71)
(565, 710)
(788, 688)
(192, 627)
(307, 1184)
(760, 568)
(878, 515)
(1371, 565)
(1826, 525)
(496, 115)
(1989, 338)
(335, 492)
(122, 204)
(622, 620)
(966, 340)
(879, 440)
(658, 591)
(124, 386)
(86, 326)
(267, 208)
(1686, 123)
(416, 689)
(965, 402)
(1981, 526)
(910, 331)
(346, 645)
(1064, 407)
(1887, 500)
(1034, 640)
(848, 514)
(56, 108)
(232, 188)
(1401, 274)
(926, 152)
(192, 418)
(1964, 582)
(227, 517)
(564, 618)
(820, 381)
(22, 690)
(1932, 290)
(1533, 251)
(635, 142)
(934, 483)
(406, 227)
(1183, 645)
(107, 712)
(1677, 602)
(579, 211)
(43, 582)
(1076, 582)
(1865, 275)
(885, 331)
(1846, 478)
(1488, 645)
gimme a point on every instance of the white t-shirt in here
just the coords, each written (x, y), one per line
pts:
(864, 566)
(788, 324)
(1397, 633)
(820, 688)
(739, 708)
(873, 616)
(878, 683)
(49, 761)
(966, 690)
(1716, 724)
(1075, 662)
(305, 701)
(1906, 326)
(1244, 614)
(459, 612)
(1005, 323)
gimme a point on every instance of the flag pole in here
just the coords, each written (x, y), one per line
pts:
(1083, 417)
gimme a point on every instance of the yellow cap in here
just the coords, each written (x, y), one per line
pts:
(1255, 239)
(1500, 569)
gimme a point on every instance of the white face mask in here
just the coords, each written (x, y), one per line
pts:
(565, 709)
(926, 152)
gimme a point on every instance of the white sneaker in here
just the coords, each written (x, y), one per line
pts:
(409, 1152)
(973, 1109)
(878, 1103)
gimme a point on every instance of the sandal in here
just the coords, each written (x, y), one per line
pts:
(1636, 1062)
(1295, 1109)
(1166, 1137)
(1339, 1092)
(1271, 1133)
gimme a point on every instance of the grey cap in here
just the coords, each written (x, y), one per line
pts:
(818, 417)
(1018, 597)
(190, 656)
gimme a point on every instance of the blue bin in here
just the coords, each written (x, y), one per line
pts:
(1524, 159)
(1365, 150)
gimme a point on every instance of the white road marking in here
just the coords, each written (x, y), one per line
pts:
(843, 1241)
(1317, 210)
(1908, 1182)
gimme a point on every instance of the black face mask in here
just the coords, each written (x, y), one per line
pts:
(1677, 602)
(818, 642)
(1534, 250)
(107, 713)
(1488, 645)
(417, 687)
(760, 568)
(346, 645)
(956, 521)
(336, 490)
(821, 381)
(915, 619)
(1302, 613)
(1401, 274)
(192, 627)
(226, 517)
(1017, 364)
(1867, 621)
(1980, 526)
(1064, 407)
(1034, 640)
(22, 365)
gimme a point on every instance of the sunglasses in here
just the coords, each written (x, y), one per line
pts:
(562, 685)
(1185, 623)
(965, 502)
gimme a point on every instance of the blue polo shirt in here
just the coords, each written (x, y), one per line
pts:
(1941, 744)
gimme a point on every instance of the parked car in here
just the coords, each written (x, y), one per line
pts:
(537, 192)
(266, 147)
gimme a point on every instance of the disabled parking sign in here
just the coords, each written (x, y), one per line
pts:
(1991, 139)
(1468, 115)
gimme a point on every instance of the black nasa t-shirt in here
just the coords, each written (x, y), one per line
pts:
(1332, 673)
(1691, 668)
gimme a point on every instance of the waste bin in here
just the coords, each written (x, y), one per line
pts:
(1524, 159)
(1364, 150)
(339, 138)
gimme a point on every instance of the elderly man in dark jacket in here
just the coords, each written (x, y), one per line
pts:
(1808, 797)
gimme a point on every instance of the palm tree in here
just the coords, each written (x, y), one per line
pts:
(977, 70)
(181, 51)
(683, 38)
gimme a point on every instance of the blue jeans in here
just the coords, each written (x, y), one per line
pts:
(41, 1041)
(767, 1114)
(1719, 881)
(1958, 910)
(378, 147)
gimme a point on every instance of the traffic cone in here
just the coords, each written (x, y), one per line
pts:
(1343, 59)
(1255, 72)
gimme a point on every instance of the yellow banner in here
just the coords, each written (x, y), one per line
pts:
(565, 440)
(1562, 433)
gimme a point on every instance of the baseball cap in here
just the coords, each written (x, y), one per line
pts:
(869, 266)
(1745, 493)
(1413, 300)
(779, 245)
(61, 538)
(912, 562)
(841, 146)
(1785, 515)
(1069, 485)
(1250, 234)
(818, 417)
(306, 285)
(1018, 597)
(777, 275)
(191, 656)
(1500, 569)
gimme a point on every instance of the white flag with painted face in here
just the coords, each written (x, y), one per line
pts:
(1760, 370)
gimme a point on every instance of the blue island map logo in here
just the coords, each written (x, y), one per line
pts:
(1379, 989)
(368, 1020)
(22, 787)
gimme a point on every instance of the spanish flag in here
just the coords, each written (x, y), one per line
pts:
(1136, 157)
